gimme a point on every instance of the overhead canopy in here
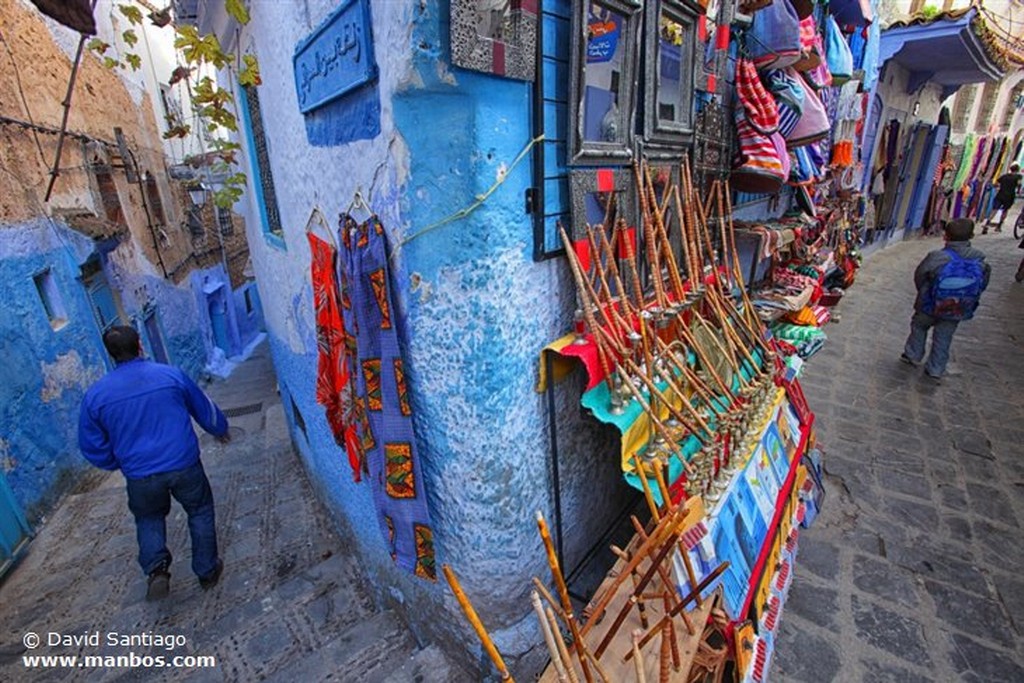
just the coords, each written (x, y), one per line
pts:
(949, 49)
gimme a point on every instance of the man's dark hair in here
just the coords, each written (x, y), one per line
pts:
(122, 343)
(960, 229)
(1014, 168)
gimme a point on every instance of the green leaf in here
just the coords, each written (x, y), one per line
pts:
(237, 10)
(98, 46)
(133, 60)
(129, 37)
(250, 73)
(111, 63)
(131, 12)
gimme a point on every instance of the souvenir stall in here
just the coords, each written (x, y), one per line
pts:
(671, 331)
(798, 265)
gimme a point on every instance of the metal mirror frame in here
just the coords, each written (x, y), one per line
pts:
(583, 181)
(657, 131)
(513, 56)
(597, 153)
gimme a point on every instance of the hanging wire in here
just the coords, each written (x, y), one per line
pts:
(21, 91)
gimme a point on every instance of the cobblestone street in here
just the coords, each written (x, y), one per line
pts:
(291, 605)
(911, 574)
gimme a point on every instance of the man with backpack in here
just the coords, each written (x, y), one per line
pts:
(949, 284)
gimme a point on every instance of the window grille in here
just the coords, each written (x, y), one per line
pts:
(272, 223)
(227, 227)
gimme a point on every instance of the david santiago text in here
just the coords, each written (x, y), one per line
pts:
(113, 638)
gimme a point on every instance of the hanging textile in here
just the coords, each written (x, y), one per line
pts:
(381, 404)
(966, 160)
(332, 378)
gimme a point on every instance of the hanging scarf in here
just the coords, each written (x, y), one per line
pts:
(970, 146)
(332, 377)
(383, 412)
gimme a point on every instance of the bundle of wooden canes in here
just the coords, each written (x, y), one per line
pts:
(637, 605)
(674, 329)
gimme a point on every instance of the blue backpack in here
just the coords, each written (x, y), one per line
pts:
(956, 289)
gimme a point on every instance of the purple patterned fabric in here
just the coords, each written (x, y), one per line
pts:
(382, 409)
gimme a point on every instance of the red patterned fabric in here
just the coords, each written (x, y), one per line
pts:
(332, 376)
(762, 112)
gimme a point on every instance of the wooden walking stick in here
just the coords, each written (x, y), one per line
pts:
(647, 488)
(673, 411)
(655, 420)
(687, 599)
(641, 605)
(747, 304)
(548, 598)
(549, 638)
(581, 286)
(563, 652)
(664, 665)
(610, 302)
(663, 485)
(563, 594)
(652, 254)
(638, 660)
(477, 625)
(656, 562)
(663, 529)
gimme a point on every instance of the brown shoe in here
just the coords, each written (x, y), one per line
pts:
(158, 584)
(208, 582)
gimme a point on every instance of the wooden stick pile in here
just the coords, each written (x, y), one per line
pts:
(641, 596)
(674, 328)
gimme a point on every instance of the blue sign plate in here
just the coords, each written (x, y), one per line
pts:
(336, 57)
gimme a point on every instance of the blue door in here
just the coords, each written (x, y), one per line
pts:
(155, 338)
(14, 530)
(926, 176)
(103, 304)
(218, 309)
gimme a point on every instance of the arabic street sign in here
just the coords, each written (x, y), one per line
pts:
(336, 57)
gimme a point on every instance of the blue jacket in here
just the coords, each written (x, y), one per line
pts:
(137, 419)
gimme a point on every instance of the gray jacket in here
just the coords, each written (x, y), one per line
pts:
(930, 266)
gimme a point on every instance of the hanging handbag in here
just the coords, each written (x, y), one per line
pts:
(789, 99)
(773, 39)
(810, 57)
(851, 12)
(813, 124)
(819, 77)
(761, 111)
(759, 167)
(837, 53)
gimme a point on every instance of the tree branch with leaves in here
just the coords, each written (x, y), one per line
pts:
(213, 106)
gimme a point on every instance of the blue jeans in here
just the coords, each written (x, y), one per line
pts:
(942, 338)
(149, 499)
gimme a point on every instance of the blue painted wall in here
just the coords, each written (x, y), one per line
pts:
(477, 310)
(45, 371)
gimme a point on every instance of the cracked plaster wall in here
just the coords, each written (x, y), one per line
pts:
(477, 311)
(45, 370)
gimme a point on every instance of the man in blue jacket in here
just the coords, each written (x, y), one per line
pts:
(138, 419)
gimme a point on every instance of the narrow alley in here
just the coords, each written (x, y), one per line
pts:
(904, 578)
(291, 605)
(908, 574)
